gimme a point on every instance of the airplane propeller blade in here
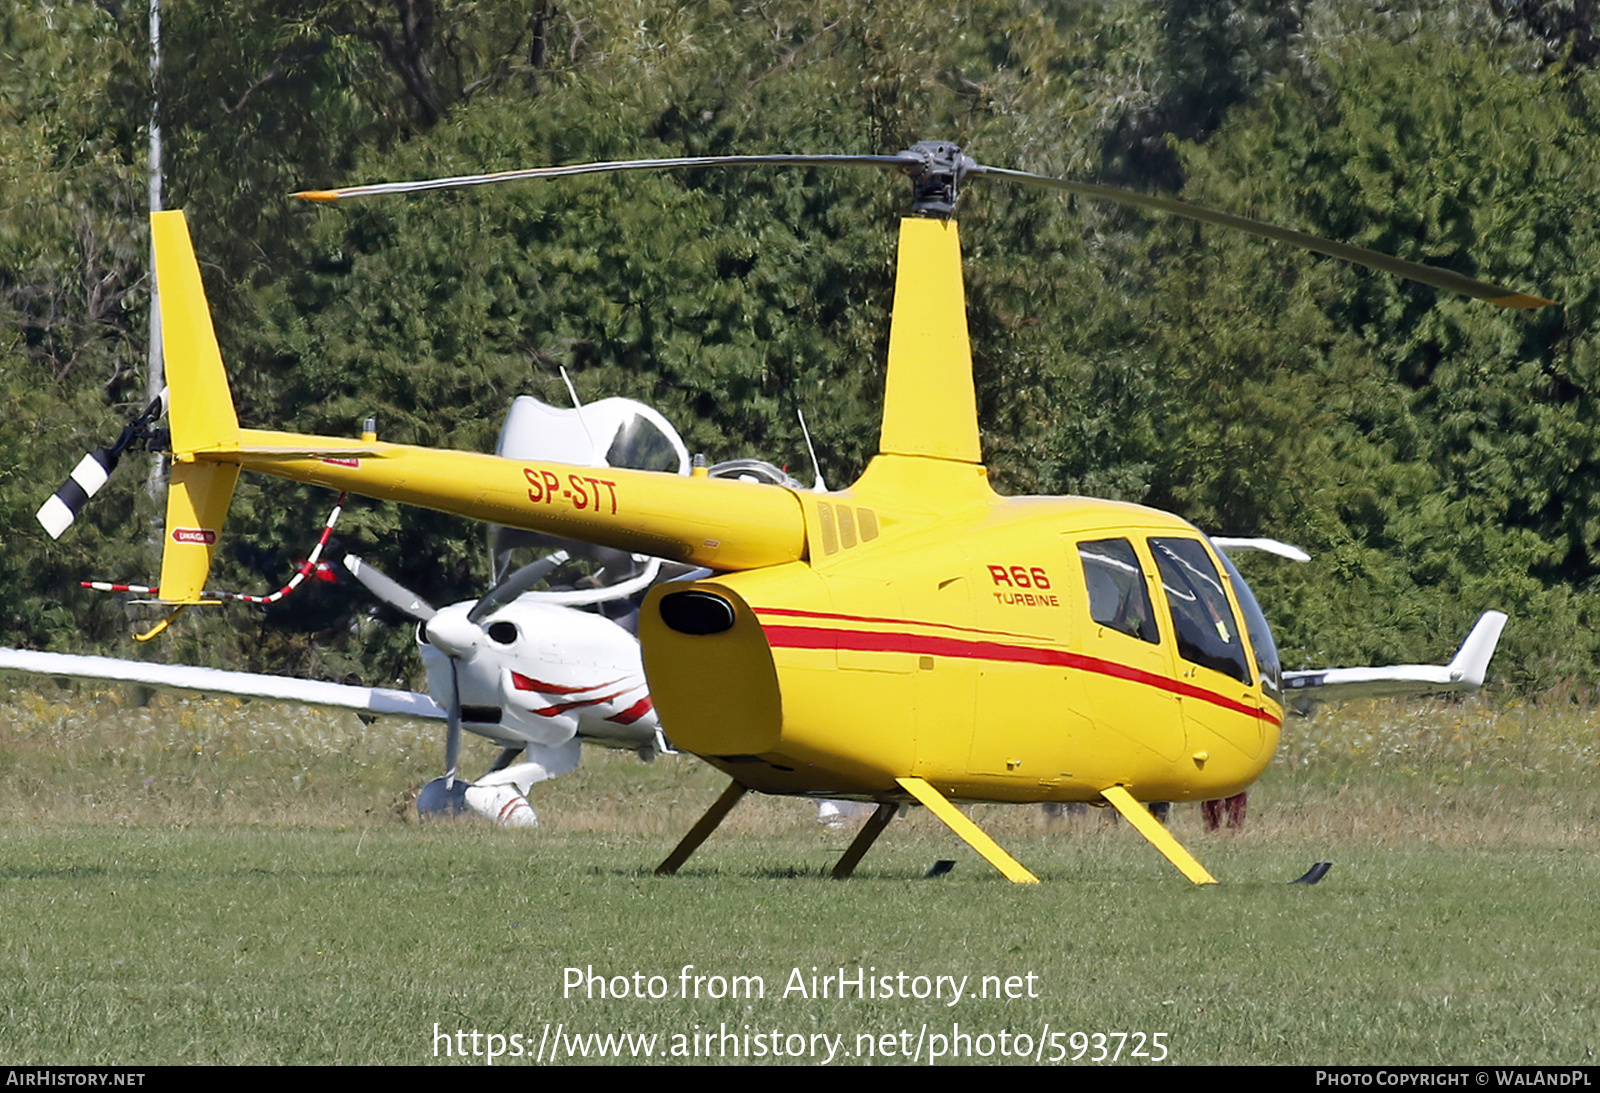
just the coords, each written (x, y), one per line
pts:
(515, 585)
(938, 168)
(453, 640)
(389, 590)
(452, 732)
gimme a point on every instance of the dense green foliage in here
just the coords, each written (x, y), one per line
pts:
(1435, 455)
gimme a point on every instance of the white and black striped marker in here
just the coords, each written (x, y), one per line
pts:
(63, 507)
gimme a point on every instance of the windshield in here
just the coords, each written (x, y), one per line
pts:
(641, 446)
(1255, 625)
(1207, 632)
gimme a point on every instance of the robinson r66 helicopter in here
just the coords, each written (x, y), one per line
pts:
(913, 637)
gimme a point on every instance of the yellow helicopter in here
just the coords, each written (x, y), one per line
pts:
(913, 637)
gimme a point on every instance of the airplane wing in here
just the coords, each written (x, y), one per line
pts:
(1228, 544)
(171, 677)
(1464, 673)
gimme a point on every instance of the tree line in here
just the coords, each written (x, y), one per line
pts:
(1436, 456)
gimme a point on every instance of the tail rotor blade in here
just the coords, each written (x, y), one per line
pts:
(64, 506)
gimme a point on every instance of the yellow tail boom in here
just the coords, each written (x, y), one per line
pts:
(718, 523)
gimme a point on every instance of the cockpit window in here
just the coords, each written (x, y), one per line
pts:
(641, 446)
(1255, 624)
(1118, 597)
(1208, 633)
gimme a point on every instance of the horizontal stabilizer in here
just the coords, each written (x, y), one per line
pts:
(173, 677)
(1463, 674)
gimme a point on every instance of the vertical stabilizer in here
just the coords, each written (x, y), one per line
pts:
(929, 408)
(1471, 662)
(200, 413)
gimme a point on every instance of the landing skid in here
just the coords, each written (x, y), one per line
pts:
(864, 839)
(957, 822)
(969, 832)
(724, 804)
(1146, 824)
(707, 824)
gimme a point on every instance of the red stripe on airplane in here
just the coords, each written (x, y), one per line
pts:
(634, 712)
(528, 683)
(563, 707)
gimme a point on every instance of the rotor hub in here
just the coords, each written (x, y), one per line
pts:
(937, 176)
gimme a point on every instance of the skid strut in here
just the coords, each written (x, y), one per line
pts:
(707, 824)
(969, 832)
(864, 839)
(1159, 837)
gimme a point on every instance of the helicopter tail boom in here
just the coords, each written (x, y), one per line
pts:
(712, 522)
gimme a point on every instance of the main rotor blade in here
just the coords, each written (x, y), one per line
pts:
(389, 590)
(900, 162)
(1228, 544)
(939, 167)
(515, 585)
(1415, 271)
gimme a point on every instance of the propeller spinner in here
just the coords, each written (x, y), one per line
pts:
(454, 634)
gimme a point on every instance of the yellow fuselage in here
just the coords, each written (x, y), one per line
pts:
(958, 648)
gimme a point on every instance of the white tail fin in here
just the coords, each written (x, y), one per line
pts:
(1464, 673)
(1472, 661)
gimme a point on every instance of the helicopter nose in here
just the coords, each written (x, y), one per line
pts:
(452, 634)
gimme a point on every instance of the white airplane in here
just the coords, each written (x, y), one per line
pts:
(1306, 688)
(530, 670)
(540, 708)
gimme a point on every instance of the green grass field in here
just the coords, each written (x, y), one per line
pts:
(224, 883)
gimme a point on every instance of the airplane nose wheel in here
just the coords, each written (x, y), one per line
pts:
(446, 798)
(437, 801)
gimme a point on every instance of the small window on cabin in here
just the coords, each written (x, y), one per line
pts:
(1206, 627)
(1118, 596)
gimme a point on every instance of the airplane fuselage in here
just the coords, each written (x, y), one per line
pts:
(540, 674)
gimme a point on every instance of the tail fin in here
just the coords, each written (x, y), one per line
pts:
(1472, 661)
(200, 413)
(1464, 673)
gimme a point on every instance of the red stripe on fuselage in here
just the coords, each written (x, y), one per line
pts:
(793, 614)
(538, 686)
(870, 641)
(563, 707)
(634, 712)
